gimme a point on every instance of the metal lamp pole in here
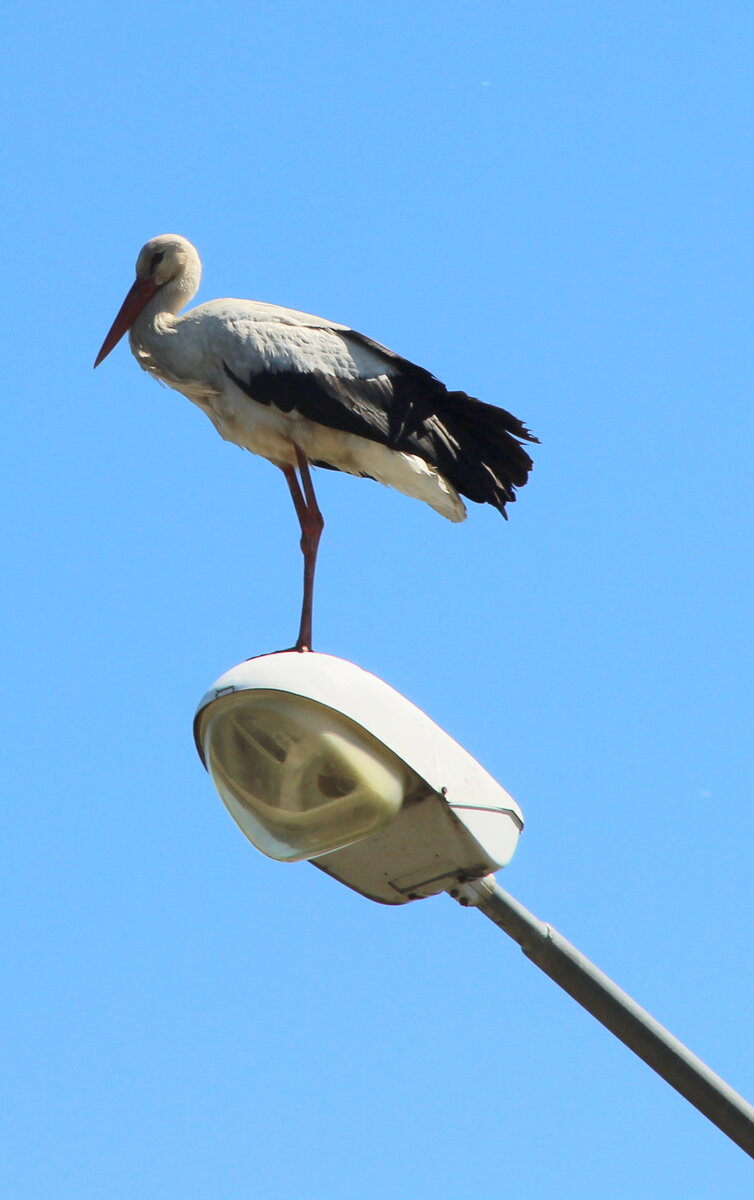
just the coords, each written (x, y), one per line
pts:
(595, 992)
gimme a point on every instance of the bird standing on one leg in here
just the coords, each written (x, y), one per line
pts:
(300, 390)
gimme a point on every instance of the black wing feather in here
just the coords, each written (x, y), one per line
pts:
(475, 446)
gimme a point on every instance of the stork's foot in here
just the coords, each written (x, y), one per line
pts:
(299, 648)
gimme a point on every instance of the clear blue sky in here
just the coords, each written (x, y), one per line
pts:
(550, 206)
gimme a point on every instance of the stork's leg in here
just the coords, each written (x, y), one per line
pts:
(311, 522)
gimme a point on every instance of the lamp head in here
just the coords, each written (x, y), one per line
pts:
(316, 759)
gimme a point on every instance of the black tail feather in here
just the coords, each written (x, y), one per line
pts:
(490, 461)
(476, 446)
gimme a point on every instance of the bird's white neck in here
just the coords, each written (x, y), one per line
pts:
(159, 315)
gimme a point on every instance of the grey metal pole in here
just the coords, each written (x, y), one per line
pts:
(595, 992)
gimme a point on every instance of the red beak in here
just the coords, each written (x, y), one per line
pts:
(140, 294)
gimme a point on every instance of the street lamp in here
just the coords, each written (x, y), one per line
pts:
(317, 759)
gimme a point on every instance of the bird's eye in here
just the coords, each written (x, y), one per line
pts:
(155, 260)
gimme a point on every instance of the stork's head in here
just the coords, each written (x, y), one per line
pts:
(167, 264)
(167, 257)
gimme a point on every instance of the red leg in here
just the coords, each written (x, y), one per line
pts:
(311, 522)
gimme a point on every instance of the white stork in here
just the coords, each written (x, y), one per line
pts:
(300, 390)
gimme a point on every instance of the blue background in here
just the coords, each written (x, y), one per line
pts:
(548, 205)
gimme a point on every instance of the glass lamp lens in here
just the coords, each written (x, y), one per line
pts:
(299, 778)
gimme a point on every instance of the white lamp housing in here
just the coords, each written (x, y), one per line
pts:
(318, 759)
